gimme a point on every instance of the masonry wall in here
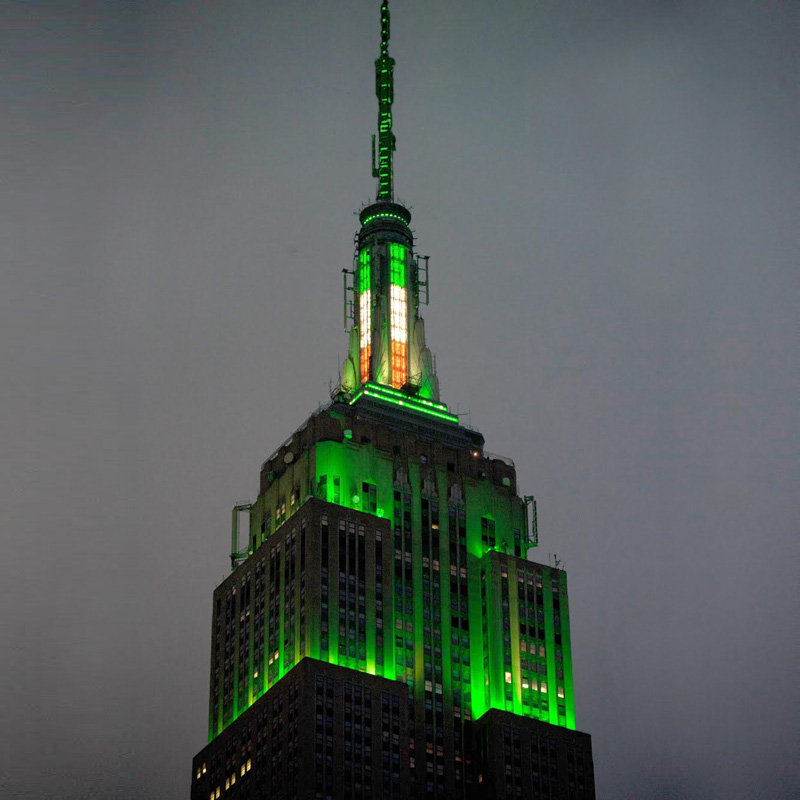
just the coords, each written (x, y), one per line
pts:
(322, 731)
(395, 547)
(526, 758)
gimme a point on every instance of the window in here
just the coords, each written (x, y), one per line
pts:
(280, 512)
(487, 532)
(364, 312)
(397, 299)
(398, 313)
(370, 497)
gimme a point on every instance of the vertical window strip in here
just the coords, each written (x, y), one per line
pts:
(364, 311)
(365, 326)
(398, 313)
(397, 264)
(363, 271)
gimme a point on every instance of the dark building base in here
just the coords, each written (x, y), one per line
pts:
(525, 758)
(324, 732)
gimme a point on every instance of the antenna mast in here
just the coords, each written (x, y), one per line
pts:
(384, 89)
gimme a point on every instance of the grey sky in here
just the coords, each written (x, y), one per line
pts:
(608, 193)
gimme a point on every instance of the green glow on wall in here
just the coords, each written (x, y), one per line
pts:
(363, 270)
(332, 659)
(389, 395)
(387, 390)
(397, 264)
(352, 465)
(345, 466)
(497, 699)
(408, 403)
(425, 392)
(551, 662)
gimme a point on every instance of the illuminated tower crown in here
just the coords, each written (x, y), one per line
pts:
(389, 280)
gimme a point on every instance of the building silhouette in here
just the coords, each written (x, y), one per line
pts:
(382, 633)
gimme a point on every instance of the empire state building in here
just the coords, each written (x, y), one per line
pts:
(383, 632)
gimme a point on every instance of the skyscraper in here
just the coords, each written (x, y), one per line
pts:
(382, 633)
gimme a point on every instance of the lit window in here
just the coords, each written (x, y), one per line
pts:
(399, 322)
(397, 264)
(249, 764)
(370, 492)
(487, 532)
(398, 313)
(543, 688)
(365, 325)
(508, 677)
(242, 770)
(364, 312)
(561, 692)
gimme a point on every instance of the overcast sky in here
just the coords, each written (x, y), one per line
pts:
(608, 192)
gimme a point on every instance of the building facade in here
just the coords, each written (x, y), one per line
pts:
(382, 632)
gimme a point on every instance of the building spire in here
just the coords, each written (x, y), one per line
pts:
(384, 89)
(389, 281)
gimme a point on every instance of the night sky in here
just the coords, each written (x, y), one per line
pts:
(608, 192)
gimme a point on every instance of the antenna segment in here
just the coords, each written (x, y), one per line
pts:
(384, 89)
